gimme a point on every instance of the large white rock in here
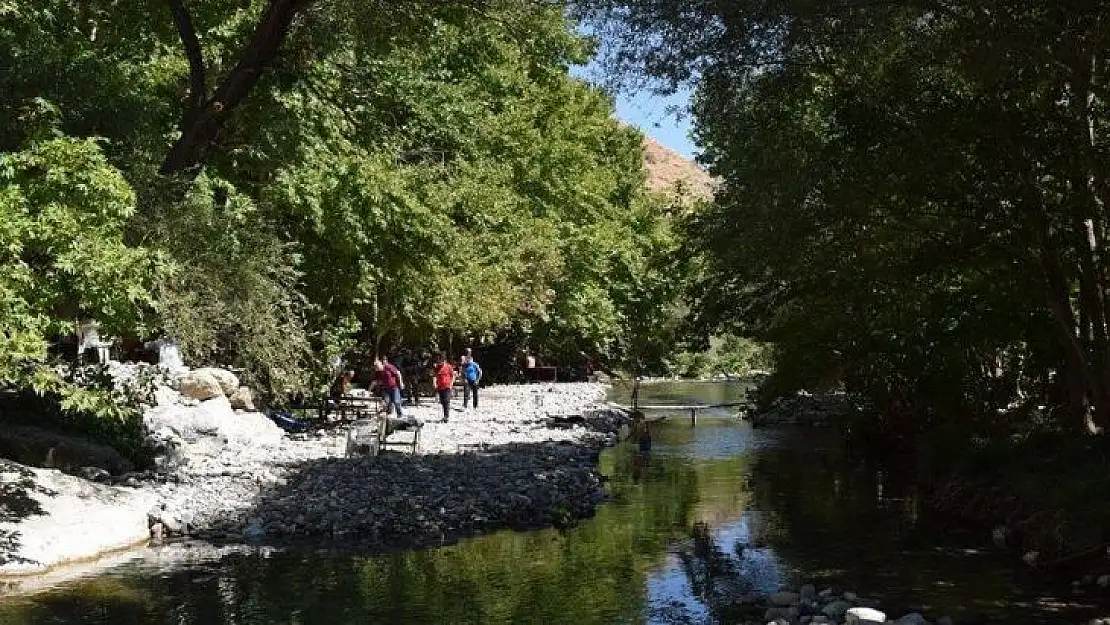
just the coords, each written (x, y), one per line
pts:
(864, 616)
(199, 385)
(166, 396)
(215, 418)
(228, 380)
(73, 519)
(242, 399)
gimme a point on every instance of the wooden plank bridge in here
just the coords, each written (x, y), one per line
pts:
(691, 408)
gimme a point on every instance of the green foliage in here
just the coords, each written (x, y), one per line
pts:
(63, 211)
(912, 201)
(231, 295)
(727, 355)
(407, 173)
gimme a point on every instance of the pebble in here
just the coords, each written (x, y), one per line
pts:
(831, 607)
(505, 465)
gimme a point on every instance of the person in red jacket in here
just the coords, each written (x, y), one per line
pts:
(390, 384)
(445, 381)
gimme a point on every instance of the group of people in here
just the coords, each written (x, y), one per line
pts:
(389, 381)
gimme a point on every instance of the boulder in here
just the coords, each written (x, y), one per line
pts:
(864, 616)
(242, 399)
(836, 609)
(214, 419)
(64, 518)
(199, 385)
(228, 380)
(783, 599)
(166, 396)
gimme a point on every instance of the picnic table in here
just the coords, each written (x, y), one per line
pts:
(541, 374)
(371, 428)
(344, 408)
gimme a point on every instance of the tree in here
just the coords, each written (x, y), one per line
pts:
(912, 198)
(346, 179)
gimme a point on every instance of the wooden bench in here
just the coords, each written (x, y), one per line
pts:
(542, 374)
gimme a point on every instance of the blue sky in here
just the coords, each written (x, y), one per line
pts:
(652, 114)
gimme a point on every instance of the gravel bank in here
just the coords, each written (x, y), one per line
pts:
(231, 475)
(304, 485)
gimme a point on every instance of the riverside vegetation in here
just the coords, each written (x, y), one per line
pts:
(912, 206)
(276, 184)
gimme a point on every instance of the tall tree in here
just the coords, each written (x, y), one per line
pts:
(913, 194)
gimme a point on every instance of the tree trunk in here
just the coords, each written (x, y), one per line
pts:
(1076, 371)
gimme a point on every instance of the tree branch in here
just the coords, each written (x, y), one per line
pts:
(193, 52)
(191, 148)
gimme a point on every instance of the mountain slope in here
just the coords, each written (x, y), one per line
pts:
(666, 167)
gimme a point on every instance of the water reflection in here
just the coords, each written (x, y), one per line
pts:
(710, 514)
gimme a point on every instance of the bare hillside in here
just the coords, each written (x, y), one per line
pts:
(665, 167)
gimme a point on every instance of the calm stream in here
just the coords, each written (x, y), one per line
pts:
(769, 507)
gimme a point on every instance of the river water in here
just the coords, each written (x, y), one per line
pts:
(712, 507)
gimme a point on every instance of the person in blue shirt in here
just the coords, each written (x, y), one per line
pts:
(472, 376)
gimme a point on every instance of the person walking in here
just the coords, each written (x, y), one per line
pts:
(444, 381)
(390, 384)
(472, 376)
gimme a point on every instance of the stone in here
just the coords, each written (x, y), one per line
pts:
(808, 591)
(240, 478)
(199, 385)
(77, 519)
(242, 399)
(836, 609)
(166, 396)
(809, 606)
(214, 418)
(775, 613)
(1103, 581)
(864, 616)
(228, 380)
(255, 529)
(783, 599)
(913, 618)
(95, 474)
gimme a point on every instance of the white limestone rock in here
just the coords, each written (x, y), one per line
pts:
(229, 382)
(242, 399)
(214, 418)
(199, 385)
(69, 519)
(864, 616)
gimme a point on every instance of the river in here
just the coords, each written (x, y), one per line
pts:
(711, 505)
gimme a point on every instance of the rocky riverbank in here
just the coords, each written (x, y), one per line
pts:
(809, 606)
(803, 408)
(230, 474)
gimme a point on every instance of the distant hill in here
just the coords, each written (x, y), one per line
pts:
(665, 167)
